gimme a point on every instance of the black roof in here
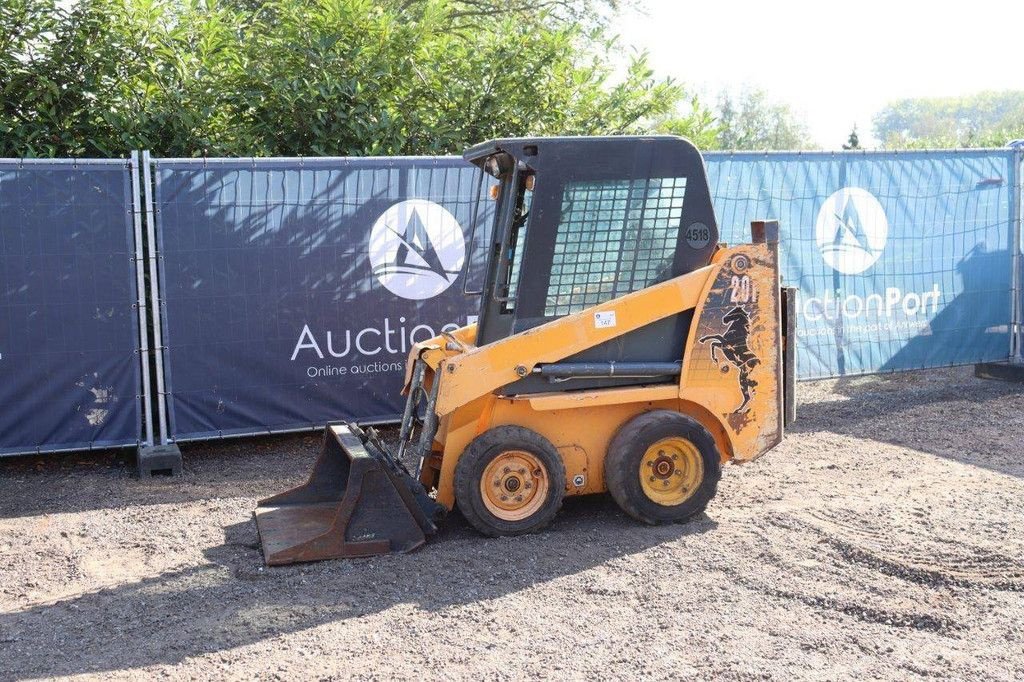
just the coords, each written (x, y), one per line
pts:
(524, 148)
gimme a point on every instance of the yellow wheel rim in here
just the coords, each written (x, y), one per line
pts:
(514, 485)
(670, 471)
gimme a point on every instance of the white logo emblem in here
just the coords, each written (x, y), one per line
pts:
(417, 249)
(851, 230)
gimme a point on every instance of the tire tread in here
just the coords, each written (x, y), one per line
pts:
(618, 469)
(475, 456)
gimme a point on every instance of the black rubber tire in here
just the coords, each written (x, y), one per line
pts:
(626, 451)
(473, 462)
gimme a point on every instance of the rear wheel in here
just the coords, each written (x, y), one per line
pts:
(509, 481)
(662, 467)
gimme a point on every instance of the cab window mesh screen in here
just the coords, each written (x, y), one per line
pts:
(614, 237)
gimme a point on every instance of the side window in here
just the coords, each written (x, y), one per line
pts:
(614, 237)
(515, 256)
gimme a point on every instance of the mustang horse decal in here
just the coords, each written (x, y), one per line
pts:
(733, 345)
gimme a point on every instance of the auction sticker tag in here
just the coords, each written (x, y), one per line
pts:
(604, 320)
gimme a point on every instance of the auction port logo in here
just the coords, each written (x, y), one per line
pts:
(851, 230)
(417, 249)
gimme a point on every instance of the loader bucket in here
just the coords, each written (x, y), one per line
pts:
(355, 504)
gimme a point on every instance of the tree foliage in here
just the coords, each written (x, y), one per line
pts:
(693, 121)
(987, 119)
(754, 121)
(852, 141)
(315, 77)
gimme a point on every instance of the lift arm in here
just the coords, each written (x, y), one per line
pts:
(480, 371)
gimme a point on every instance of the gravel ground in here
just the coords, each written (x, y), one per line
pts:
(881, 540)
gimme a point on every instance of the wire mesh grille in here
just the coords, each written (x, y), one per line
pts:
(613, 238)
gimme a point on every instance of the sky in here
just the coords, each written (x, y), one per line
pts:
(836, 64)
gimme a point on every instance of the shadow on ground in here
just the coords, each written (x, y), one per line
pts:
(75, 482)
(947, 413)
(233, 600)
(877, 408)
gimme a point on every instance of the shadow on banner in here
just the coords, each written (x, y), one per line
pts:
(293, 289)
(903, 260)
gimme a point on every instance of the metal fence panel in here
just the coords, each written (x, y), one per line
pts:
(291, 288)
(69, 369)
(903, 260)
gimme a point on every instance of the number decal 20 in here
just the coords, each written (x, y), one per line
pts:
(741, 290)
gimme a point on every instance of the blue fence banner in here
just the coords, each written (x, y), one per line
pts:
(292, 289)
(69, 336)
(903, 260)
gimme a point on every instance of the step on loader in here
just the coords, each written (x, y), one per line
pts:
(619, 348)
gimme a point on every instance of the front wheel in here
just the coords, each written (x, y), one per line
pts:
(662, 467)
(509, 481)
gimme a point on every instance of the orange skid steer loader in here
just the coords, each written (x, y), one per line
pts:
(619, 348)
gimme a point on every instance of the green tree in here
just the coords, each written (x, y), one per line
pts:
(853, 141)
(693, 121)
(979, 120)
(315, 77)
(755, 122)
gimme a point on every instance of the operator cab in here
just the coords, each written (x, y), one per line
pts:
(583, 220)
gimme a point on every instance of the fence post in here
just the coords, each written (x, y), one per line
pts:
(140, 286)
(165, 456)
(1015, 244)
(154, 289)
